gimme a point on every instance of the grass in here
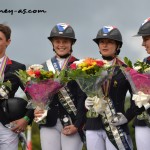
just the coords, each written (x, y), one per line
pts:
(132, 133)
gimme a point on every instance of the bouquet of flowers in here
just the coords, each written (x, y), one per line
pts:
(139, 78)
(89, 73)
(40, 84)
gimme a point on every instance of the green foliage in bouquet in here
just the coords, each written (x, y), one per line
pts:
(24, 77)
(6, 84)
(143, 67)
(140, 66)
(34, 73)
(128, 62)
(85, 68)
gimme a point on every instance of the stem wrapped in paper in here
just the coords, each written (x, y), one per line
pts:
(92, 87)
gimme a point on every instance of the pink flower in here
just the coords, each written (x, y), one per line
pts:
(42, 92)
(139, 81)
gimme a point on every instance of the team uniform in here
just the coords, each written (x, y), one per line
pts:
(105, 132)
(9, 139)
(51, 132)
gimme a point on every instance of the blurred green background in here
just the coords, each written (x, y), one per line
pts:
(36, 137)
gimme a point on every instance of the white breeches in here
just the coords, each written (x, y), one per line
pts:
(8, 139)
(142, 137)
(98, 140)
(53, 139)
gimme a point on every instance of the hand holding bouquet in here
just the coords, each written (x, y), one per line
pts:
(139, 78)
(95, 106)
(40, 84)
(89, 73)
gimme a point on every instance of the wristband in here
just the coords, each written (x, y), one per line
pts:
(26, 118)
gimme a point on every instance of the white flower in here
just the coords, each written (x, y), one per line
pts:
(147, 70)
(137, 68)
(35, 67)
(29, 78)
(78, 62)
(142, 99)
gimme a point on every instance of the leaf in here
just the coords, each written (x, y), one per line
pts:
(128, 62)
(22, 75)
(6, 84)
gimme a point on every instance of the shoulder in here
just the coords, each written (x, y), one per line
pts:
(72, 59)
(147, 60)
(16, 64)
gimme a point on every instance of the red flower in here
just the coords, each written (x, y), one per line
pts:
(73, 66)
(100, 63)
(37, 73)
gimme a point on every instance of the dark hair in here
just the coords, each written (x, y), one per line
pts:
(5, 30)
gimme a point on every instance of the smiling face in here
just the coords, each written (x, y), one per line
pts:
(3, 44)
(146, 43)
(108, 47)
(62, 46)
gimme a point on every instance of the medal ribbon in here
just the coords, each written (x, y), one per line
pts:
(56, 64)
(3, 66)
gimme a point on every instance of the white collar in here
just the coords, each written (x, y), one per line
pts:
(60, 61)
(1, 59)
(110, 62)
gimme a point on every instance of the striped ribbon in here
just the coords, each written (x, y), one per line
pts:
(66, 99)
(3, 66)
